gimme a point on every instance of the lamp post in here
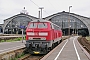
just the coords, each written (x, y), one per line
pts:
(77, 29)
(41, 11)
(69, 21)
(73, 26)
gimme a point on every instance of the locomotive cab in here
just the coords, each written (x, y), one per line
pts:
(37, 30)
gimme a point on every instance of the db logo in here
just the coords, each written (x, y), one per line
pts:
(36, 33)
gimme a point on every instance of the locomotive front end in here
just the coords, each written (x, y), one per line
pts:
(37, 37)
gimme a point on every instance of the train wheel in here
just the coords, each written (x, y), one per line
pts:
(26, 50)
(49, 49)
(60, 40)
(53, 45)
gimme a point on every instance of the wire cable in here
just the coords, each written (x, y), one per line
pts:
(51, 4)
(38, 6)
(34, 3)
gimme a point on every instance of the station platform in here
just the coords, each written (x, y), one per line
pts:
(69, 49)
(10, 46)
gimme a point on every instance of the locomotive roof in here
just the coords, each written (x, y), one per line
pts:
(40, 20)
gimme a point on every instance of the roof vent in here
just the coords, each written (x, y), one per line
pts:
(24, 11)
(63, 11)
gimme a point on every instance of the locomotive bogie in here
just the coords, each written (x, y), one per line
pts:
(38, 46)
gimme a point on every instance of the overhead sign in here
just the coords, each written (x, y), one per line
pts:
(22, 27)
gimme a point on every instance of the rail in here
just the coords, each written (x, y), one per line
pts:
(31, 57)
(85, 44)
(5, 38)
(11, 54)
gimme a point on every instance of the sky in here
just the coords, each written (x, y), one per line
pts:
(9, 8)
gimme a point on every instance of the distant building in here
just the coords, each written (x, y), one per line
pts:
(78, 23)
(1, 28)
(13, 24)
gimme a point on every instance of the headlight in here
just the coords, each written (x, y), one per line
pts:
(30, 33)
(43, 38)
(30, 38)
(43, 34)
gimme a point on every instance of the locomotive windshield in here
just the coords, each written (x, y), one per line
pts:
(37, 25)
(33, 25)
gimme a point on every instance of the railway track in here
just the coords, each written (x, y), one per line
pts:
(85, 44)
(16, 54)
(7, 37)
(11, 54)
(31, 57)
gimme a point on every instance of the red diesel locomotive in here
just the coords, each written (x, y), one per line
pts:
(42, 36)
